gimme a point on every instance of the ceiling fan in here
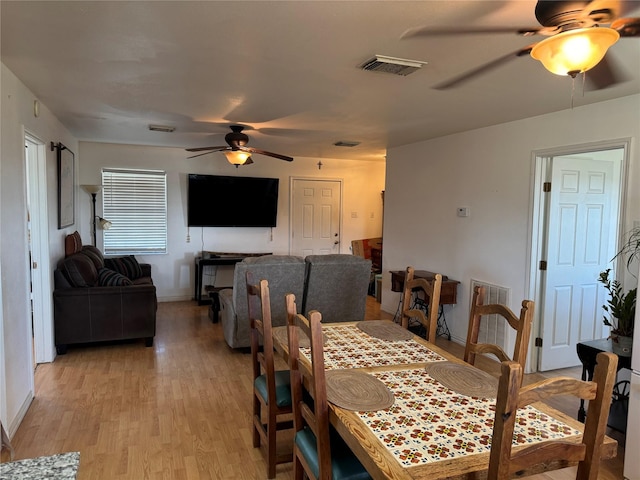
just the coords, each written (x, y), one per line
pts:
(236, 151)
(567, 24)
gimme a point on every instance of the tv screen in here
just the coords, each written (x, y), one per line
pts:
(224, 201)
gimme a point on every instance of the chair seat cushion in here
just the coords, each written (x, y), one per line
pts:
(344, 464)
(283, 388)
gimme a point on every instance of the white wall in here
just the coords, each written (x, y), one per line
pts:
(488, 170)
(173, 274)
(16, 359)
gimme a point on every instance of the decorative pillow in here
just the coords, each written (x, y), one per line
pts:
(95, 255)
(72, 244)
(79, 270)
(127, 266)
(111, 278)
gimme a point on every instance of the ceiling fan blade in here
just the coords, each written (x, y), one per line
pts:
(201, 154)
(213, 149)
(440, 31)
(605, 74)
(264, 152)
(454, 82)
(627, 27)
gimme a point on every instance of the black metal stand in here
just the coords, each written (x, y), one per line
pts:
(442, 329)
(93, 199)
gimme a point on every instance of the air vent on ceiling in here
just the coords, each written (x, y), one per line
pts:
(397, 66)
(346, 143)
(162, 128)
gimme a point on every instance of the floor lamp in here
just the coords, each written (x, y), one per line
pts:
(93, 191)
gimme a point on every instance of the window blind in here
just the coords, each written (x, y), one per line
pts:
(135, 201)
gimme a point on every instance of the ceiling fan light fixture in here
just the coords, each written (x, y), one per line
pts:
(574, 51)
(237, 157)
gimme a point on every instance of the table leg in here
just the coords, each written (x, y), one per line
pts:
(582, 414)
(215, 306)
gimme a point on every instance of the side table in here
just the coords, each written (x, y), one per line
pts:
(587, 352)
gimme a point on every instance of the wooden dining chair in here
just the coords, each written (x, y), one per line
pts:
(503, 462)
(521, 324)
(271, 387)
(431, 291)
(318, 450)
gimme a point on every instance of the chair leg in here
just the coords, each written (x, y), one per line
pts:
(257, 420)
(272, 427)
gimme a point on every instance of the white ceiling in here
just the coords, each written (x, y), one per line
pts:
(288, 70)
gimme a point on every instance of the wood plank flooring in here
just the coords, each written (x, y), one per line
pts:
(179, 410)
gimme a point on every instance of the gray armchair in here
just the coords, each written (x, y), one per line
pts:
(337, 286)
(284, 273)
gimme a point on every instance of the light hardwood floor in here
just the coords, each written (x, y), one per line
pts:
(178, 410)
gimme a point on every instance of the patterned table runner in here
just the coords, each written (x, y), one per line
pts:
(63, 466)
(429, 422)
(347, 346)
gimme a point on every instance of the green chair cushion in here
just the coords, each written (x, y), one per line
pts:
(283, 388)
(344, 464)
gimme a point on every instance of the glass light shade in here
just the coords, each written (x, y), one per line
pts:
(104, 223)
(574, 51)
(237, 157)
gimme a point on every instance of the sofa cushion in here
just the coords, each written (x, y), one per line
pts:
(72, 244)
(79, 270)
(111, 278)
(127, 266)
(94, 254)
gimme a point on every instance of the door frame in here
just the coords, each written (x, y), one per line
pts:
(41, 289)
(540, 167)
(292, 179)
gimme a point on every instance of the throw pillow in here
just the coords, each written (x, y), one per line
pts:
(111, 278)
(127, 266)
(95, 255)
(79, 270)
(72, 244)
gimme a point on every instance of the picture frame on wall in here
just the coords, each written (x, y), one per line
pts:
(66, 189)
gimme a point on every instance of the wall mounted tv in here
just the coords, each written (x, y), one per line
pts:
(224, 201)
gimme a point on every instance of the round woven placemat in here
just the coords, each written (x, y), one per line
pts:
(355, 390)
(280, 333)
(384, 330)
(464, 379)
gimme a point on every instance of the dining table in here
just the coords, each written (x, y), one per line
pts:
(409, 409)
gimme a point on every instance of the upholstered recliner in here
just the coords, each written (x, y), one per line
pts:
(285, 274)
(337, 286)
(97, 299)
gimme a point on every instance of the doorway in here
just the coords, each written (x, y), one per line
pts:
(38, 234)
(577, 214)
(315, 216)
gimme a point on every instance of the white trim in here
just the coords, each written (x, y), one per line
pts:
(541, 164)
(15, 424)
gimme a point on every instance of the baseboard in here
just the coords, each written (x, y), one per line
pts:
(15, 423)
(179, 298)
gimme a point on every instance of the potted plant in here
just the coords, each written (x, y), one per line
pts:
(620, 313)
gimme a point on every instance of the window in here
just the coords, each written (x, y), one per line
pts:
(135, 202)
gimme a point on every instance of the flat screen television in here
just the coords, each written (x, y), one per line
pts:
(225, 201)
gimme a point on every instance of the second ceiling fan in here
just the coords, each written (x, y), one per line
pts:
(236, 150)
(568, 25)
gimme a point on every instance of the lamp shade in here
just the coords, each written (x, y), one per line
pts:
(104, 223)
(574, 51)
(237, 157)
(91, 188)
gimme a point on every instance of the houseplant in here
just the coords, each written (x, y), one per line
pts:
(620, 312)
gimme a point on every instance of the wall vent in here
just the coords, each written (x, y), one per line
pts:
(396, 66)
(494, 329)
(162, 128)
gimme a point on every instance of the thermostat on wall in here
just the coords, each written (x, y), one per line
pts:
(463, 211)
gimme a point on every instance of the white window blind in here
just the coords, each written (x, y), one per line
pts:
(135, 202)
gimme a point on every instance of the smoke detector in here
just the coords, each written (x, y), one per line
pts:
(397, 66)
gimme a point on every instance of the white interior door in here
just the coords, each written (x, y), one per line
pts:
(315, 216)
(583, 213)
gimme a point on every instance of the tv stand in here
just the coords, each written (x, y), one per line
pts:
(215, 258)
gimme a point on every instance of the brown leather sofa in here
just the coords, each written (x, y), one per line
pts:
(97, 299)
